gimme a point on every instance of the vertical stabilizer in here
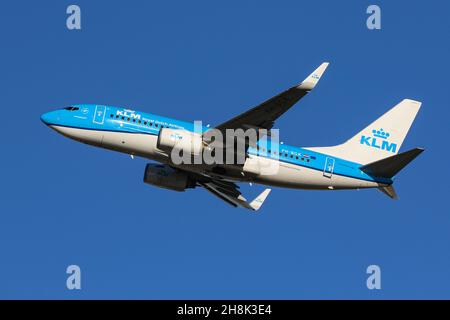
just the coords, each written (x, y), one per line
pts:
(381, 139)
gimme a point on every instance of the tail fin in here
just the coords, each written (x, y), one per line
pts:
(381, 139)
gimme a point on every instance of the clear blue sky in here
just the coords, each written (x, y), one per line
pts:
(66, 203)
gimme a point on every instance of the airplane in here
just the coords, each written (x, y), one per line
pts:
(370, 159)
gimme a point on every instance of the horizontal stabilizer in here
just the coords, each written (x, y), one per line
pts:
(389, 167)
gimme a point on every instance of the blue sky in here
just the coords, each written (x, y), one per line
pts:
(66, 203)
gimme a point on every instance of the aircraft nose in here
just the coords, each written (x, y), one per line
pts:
(45, 118)
(49, 117)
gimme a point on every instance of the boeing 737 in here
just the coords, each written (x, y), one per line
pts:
(370, 159)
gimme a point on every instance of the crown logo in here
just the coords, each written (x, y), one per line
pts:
(380, 134)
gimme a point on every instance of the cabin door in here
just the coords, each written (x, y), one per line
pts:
(99, 115)
(329, 167)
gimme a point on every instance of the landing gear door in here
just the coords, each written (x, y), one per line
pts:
(329, 167)
(99, 115)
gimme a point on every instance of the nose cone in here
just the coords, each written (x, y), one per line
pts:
(50, 118)
(45, 118)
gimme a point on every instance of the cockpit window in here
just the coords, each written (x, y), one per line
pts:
(72, 108)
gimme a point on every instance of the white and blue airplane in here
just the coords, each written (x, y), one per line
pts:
(370, 159)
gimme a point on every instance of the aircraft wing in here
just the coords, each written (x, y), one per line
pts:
(264, 115)
(229, 192)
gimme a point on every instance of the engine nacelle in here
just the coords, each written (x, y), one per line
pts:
(163, 176)
(188, 142)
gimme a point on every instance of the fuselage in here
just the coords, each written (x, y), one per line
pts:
(136, 133)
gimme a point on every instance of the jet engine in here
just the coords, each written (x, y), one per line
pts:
(185, 141)
(163, 176)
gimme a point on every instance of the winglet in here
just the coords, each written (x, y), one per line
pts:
(259, 200)
(310, 82)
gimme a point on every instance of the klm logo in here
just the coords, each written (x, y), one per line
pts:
(379, 140)
(128, 114)
(176, 137)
